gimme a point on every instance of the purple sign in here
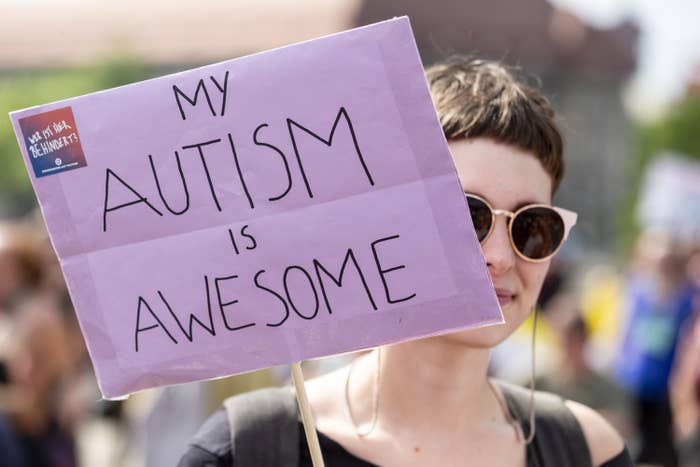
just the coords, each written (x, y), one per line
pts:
(282, 206)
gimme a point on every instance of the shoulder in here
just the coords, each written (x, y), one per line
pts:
(556, 427)
(566, 428)
(249, 415)
(604, 442)
(211, 445)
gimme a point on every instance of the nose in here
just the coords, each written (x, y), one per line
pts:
(497, 249)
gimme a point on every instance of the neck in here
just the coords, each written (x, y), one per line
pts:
(423, 383)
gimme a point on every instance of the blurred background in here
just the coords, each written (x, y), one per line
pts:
(620, 306)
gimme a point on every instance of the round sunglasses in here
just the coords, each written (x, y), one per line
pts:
(536, 231)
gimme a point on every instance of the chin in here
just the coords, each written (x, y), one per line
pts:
(480, 338)
(490, 336)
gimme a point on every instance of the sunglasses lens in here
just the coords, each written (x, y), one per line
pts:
(538, 232)
(481, 217)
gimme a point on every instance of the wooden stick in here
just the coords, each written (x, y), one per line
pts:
(306, 416)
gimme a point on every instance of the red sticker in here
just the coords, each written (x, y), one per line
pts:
(52, 142)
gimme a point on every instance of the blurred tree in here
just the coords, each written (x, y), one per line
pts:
(677, 131)
(26, 88)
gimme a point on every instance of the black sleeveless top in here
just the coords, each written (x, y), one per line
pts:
(267, 432)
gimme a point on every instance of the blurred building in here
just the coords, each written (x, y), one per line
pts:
(582, 68)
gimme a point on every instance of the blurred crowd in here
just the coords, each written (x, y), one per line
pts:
(51, 410)
(625, 342)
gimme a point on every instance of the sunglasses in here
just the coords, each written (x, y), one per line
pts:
(536, 231)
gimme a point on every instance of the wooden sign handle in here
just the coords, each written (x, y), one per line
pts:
(306, 415)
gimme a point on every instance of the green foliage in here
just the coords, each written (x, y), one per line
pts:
(678, 131)
(26, 88)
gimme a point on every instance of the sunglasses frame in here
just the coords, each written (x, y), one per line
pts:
(568, 217)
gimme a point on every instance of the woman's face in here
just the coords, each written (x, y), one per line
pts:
(508, 178)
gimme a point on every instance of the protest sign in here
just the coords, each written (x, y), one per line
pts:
(669, 197)
(291, 204)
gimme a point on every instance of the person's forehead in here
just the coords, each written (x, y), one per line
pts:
(506, 176)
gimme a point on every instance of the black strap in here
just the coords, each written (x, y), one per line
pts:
(264, 428)
(265, 432)
(559, 440)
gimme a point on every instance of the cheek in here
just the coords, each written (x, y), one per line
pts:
(532, 276)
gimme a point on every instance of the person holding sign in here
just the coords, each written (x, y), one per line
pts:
(430, 401)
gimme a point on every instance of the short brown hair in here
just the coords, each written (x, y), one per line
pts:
(483, 98)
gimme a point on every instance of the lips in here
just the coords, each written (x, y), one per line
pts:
(504, 296)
